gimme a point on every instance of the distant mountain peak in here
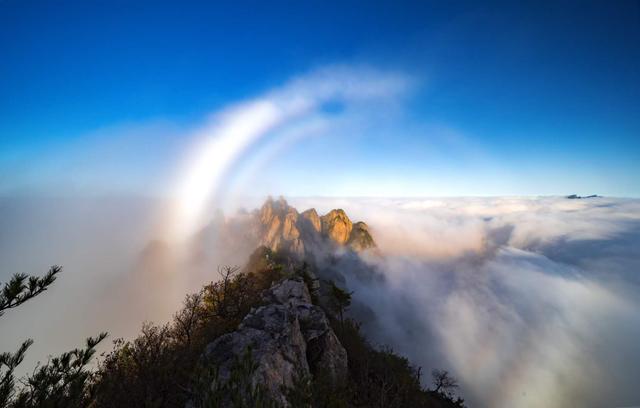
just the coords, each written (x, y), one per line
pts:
(337, 226)
(578, 197)
(281, 227)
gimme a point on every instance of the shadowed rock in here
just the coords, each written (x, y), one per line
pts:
(289, 338)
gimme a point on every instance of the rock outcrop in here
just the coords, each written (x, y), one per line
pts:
(289, 338)
(280, 227)
(337, 226)
(277, 227)
(577, 197)
(312, 220)
(360, 238)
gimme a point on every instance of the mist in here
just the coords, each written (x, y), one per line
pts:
(137, 143)
(109, 207)
(528, 301)
(119, 271)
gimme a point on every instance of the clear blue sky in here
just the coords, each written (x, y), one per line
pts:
(548, 92)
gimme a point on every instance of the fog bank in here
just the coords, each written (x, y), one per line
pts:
(528, 301)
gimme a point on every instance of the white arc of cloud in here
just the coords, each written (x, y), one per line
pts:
(234, 130)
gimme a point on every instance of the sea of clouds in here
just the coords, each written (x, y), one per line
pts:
(529, 301)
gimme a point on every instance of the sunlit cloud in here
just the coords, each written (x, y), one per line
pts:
(529, 301)
(232, 132)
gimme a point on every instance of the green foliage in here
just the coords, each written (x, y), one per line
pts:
(143, 373)
(324, 393)
(377, 378)
(340, 300)
(8, 363)
(237, 391)
(234, 294)
(62, 382)
(312, 283)
(205, 391)
(302, 393)
(381, 378)
(160, 366)
(164, 365)
(23, 287)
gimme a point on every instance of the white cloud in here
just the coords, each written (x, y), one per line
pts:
(231, 133)
(529, 301)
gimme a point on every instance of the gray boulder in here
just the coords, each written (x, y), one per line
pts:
(289, 337)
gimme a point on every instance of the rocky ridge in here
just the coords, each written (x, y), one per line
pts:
(286, 347)
(280, 227)
(289, 339)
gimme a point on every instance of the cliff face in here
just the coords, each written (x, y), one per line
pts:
(360, 238)
(337, 226)
(290, 339)
(280, 227)
(277, 227)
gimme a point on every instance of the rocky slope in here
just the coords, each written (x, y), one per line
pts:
(279, 226)
(290, 339)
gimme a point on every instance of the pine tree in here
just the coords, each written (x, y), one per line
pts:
(61, 382)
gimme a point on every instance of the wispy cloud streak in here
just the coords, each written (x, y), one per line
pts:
(231, 133)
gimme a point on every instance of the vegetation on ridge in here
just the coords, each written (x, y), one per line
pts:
(164, 365)
(61, 382)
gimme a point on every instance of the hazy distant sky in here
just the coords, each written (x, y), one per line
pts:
(505, 98)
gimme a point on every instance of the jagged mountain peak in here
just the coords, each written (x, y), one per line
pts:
(337, 226)
(311, 216)
(275, 208)
(281, 227)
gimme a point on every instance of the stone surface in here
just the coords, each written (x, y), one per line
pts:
(277, 227)
(313, 219)
(289, 337)
(337, 226)
(360, 239)
(280, 227)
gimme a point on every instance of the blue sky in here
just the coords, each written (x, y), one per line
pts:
(507, 99)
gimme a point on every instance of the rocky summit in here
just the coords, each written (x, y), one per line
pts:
(279, 227)
(289, 339)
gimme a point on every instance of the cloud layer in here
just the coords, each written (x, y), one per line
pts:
(529, 301)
